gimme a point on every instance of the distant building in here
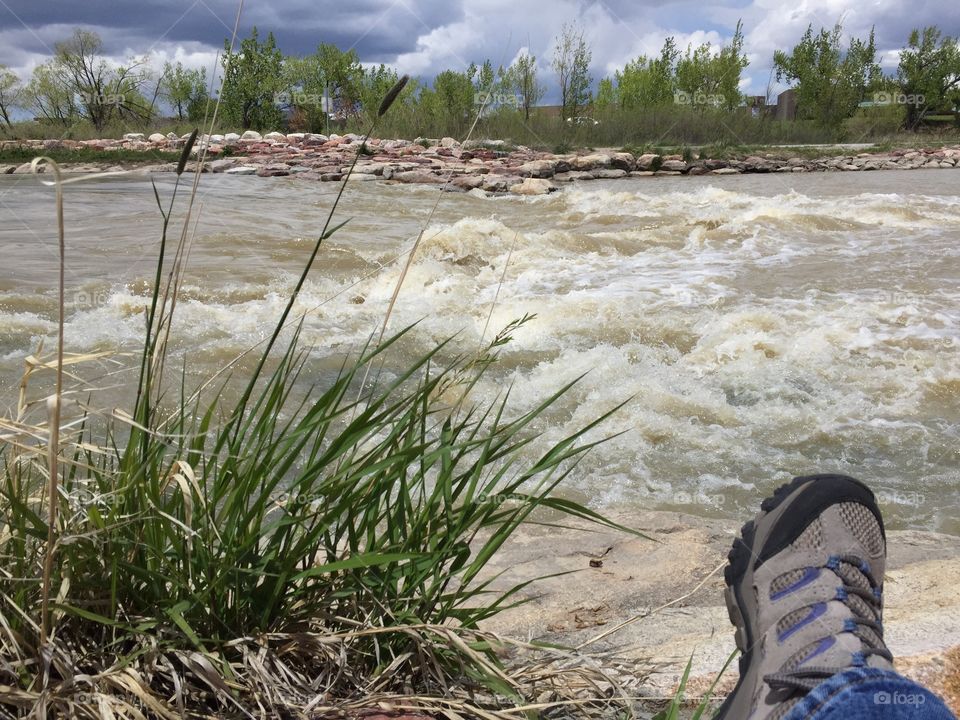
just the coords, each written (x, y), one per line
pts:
(756, 105)
(787, 105)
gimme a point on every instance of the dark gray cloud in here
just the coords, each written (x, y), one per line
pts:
(425, 36)
(379, 29)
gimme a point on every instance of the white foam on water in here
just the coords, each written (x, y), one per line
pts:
(760, 336)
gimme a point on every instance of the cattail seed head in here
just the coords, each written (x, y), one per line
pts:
(185, 155)
(389, 98)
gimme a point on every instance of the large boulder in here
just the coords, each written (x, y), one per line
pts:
(538, 168)
(129, 137)
(533, 186)
(467, 182)
(609, 173)
(648, 161)
(623, 161)
(416, 176)
(241, 170)
(231, 139)
(273, 170)
(222, 165)
(157, 138)
(275, 137)
(251, 136)
(674, 166)
(591, 162)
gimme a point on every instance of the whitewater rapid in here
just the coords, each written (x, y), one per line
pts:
(763, 326)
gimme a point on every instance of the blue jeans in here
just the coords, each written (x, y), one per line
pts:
(869, 694)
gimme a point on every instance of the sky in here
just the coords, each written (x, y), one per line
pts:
(423, 37)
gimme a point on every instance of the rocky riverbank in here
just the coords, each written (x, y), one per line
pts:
(488, 166)
(643, 608)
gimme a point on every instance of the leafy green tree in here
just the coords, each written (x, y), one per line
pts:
(929, 74)
(252, 81)
(606, 95)
(648, 82)
(78, 83)
(520, 80)
(11, 94)
(453, 96)
(374, 85)
(486, 78)
(830, 83)
(571, 62)
(324, 84)
(185, 90)
(49, 95)
(713, 78)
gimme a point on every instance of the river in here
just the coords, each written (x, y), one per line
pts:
(763, 325)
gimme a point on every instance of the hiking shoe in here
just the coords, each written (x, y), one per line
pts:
(804, 589)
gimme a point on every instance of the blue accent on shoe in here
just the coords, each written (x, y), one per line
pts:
(810, 574)
(833, 562)
(821, 647)
(841, 594)
(849, 625)
(815, 612)
(858, 660)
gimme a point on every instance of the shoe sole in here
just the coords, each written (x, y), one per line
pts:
(837, 488)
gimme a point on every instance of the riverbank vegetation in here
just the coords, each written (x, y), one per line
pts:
(680, 96)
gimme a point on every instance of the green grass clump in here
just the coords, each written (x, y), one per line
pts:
(64, 156)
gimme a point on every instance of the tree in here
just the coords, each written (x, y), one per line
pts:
(49, 95)
(11, 94)
(648, 82)
(571, 62)
(485, 78)
(520, 79)
(185, 90)
(324, 83)
(929, 74)
(829, 83)
(252, 81)
(713, 78)
(453, 99)
(606, 95)
(375, 83)
(101, 92)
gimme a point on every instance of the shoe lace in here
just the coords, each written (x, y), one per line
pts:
(807, 678)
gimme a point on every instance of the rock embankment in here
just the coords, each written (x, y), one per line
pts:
(490, 166)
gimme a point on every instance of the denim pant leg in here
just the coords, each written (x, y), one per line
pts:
(869, 694)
